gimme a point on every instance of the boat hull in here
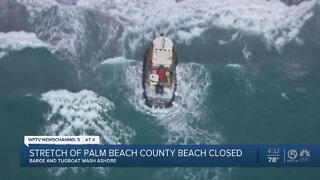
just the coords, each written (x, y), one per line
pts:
(158, 96)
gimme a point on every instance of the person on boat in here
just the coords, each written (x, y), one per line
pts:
(161, 73)
(168, 79)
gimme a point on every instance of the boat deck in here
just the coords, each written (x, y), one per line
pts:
(167, 94)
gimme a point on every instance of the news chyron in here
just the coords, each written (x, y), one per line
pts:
(87, 151)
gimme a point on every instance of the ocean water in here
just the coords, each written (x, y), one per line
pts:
(248, 73)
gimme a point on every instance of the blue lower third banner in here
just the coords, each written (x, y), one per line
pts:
(42, 155)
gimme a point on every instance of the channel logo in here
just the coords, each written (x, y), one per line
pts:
(292, 155)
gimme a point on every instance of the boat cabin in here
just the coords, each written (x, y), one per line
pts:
(161, 72)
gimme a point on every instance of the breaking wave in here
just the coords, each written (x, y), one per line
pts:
(16, 41)
(70, 25)
(59, 23)
(276, 22)
(83, 113)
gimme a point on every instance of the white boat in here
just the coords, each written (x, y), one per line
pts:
(159, 73)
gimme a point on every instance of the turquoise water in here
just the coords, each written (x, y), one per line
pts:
(235, 84)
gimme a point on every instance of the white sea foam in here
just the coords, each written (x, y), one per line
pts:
(222, 42)
(238, 66)
(16, 41)
(233, 37)
(129, 24)
(37, 6)
(61, 24)
(116, 60)
(141, 20)
(83, 113)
